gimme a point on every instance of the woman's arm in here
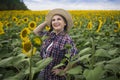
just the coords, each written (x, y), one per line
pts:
(40, 28)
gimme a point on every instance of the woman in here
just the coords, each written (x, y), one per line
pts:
(60, 22)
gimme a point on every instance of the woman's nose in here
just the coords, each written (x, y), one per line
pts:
(55, 21)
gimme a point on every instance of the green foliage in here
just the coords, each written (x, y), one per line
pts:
(12, 5)
(94, 74)
(75, 70)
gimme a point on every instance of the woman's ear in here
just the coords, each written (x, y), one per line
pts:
(65, 24)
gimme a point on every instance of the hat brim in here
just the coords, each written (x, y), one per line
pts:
(62, 12)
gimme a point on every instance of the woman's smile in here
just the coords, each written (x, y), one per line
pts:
(56, 24)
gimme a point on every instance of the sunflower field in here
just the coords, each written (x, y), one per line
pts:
(96, 34)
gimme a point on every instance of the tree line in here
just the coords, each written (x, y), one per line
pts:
(12, 5)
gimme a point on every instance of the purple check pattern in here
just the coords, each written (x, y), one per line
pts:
(57, 51)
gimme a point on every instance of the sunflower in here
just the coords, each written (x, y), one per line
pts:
(36, 19)
(89, 26)
(47, 28)
(32, 25)
(1, 31)
(18, 23)
(80, 23)
(1, 28)
(116, 30)
(26, 46)
(5, 22)
(15, 19)
(24, 34)
(118, 25)
(107, 33)
(25, 20)
(1, 24)
(28, 49)
(99, 26)
(37, 41)
(8, 24)
(76, 23)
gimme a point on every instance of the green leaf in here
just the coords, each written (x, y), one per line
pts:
(94, 74)
(12, 61)
(6, 62)
(100, 63)
(5, 42)
(18, 76)
(79, 77)
(85, 51)
(18, 59)
(104, 46)
(44, 37)
(115, 60)
(39, 62)
(114, 67)
(59, 65)
(113, 51)
(44, 63)
(84, 57)
(87, 43)
(75, 70)
(67, 55)
(102, 53)
(110, 78)
(1, 75)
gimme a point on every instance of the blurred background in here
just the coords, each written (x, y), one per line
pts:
(12, 5)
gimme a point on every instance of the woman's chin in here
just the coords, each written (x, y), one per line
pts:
(57, 29)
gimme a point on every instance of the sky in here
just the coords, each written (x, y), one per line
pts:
(73, 4)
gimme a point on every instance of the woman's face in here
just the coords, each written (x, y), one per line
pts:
(58, 23)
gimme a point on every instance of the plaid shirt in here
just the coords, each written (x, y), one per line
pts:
(57, 51)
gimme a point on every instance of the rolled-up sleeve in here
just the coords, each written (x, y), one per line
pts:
(42, 33)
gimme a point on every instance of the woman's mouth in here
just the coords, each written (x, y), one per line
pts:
(56, 25)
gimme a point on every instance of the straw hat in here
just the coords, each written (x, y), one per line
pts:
(62, 12)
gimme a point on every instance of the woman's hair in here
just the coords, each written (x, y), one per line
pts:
(65, 27)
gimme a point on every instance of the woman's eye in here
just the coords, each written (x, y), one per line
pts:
(56, 19)
(53, 19)
(59, 19)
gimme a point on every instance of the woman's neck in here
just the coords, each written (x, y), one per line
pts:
(57, 32)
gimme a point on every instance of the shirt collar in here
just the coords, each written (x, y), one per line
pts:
(62, 33)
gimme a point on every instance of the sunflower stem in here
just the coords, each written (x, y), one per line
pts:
(93, 53)
(30, 75)
(30, 78)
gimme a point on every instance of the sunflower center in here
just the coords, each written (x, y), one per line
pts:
(8, 24)
(27, 46)
(19, 23)
(25, 19)
(14, 19)
(24, 33)
(32, 25)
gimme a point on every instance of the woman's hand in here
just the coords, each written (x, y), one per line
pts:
(40, 28)
(45, 22)
(58, 72)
